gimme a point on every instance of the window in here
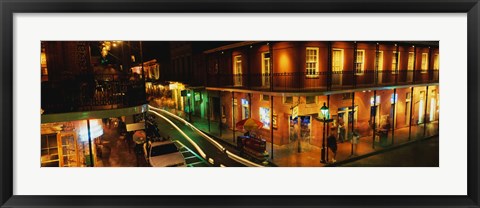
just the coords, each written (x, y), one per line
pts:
(266, 69)
(424, 62)
(311, 99)
(435, 62)
(395, 66)
(265, 98)
(376, 101)
(360, 62)
(288, 99)
(49, 151)
(411, 60)
(394, 98)
(337, 60)
(237, 71)
(312, 62)
(265, 117)
(380, 60)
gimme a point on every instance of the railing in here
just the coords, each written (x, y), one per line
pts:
(94, 92)
(336, 80)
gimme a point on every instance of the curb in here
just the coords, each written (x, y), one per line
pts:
(378, 152)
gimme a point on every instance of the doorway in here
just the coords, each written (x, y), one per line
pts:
(337, 67)
(245, 109)
(421, 106)
(348, 116)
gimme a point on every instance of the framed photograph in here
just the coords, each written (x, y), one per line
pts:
(170, 104)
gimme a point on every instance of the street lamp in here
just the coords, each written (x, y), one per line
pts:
(326, 118)
(189, 107)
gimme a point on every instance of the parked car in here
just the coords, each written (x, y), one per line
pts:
(163, 154)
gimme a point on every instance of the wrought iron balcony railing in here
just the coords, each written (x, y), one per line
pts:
(95, 92)
(335, 80)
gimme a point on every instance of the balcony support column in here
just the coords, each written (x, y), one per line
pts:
(374, 118)
(425, 115)
(221, 113)
(233, 115)
(394, 114)
(397, 56)
(328, 128)
(270, 50)
(208, 111)
(329, 69)
(411, 112)
(414, 63)
(354, 74)
(377, 57)
(90, 144)
(353, 120)
(271, 124)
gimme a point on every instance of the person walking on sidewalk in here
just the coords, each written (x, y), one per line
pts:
(341, 130)
(332, 145)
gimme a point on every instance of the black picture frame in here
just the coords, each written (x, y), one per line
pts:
(10, 7)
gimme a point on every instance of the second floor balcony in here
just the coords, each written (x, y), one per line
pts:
(323, 81)
(92, 92)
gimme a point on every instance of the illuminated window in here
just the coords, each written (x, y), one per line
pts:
(237, 70)
(376, 101)
(394, 98)
(265, 117)
(43, 63)
(337, 60)
(360, 62)
(411, 57)
(436, 62)
(395, 66)
(312, 62)
(266, 69)
(380, 60)
(424, 62)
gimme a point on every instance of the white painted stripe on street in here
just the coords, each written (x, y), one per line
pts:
(229, 154)
(183, 133)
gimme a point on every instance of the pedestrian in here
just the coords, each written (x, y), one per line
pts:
(332, 145)
(341, 131)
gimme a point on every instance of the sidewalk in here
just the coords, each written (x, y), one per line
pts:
(288, 156)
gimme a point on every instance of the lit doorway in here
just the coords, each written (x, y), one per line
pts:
(348, 117)
(421, 107)
(433, 106)
(407, 108)
(245, 109)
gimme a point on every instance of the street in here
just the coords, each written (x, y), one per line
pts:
(167, 130)
(420, 154)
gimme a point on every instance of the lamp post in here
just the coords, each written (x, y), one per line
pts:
(326, 118)
(189, 107)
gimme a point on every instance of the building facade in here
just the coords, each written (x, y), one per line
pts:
(383, 92)
(92, 94)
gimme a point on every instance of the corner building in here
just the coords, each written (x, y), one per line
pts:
(386, 93)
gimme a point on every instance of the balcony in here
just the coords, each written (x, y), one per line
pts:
(92, 92)
(323, 81)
